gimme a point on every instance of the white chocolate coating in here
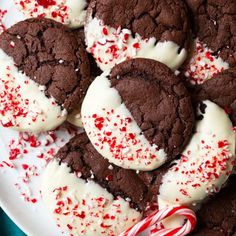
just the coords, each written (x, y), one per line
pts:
(68, 12)
(113, 131)
(111, 46)
(75, 118)
(205, 164)
(203, 65)
(23, 103)
(84, 207)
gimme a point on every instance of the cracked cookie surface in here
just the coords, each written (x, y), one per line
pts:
(52, 56)
(164, 20)
(158, 101)
(214, 23)
(116, 31)
(138, 115)
(221, 90)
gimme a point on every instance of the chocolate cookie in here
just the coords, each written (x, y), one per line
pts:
(105, 198)
(52, 59)
(214, 23)
(80, 155)
(139, 115)
(71, 13)
(218, 215)
(119, 30)
(205, 164)
(214, 47)
(221, 90)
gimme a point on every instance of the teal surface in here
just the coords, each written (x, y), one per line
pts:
(7, 227)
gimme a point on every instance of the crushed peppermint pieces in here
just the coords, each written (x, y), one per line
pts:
(203, 64)
(106, 134)
(114, 45)
(214, 162)
(86, 212)
(44, 147)
(55, 9)
(2, 15)
(14, 107)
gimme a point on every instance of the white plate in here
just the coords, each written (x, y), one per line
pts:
(32, 218)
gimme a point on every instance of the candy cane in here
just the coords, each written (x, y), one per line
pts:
(158, 216)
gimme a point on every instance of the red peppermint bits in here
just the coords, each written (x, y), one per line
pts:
(45, 8)
(14, 153)
(214, 162)
(184, 192)
(114, 132)
(46, 3)
(203, 65)
(136, 45)
(222, 144)
(105, 31)
(99, 122)
(25, 166)
(2, 15)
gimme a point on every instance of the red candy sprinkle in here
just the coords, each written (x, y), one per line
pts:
(46, 3)
(34, 8)
(202, 66)
(136, 45)
(99, 121)
(2, 15)
(104, 30)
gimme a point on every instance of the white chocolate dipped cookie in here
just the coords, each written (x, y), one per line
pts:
(37, 57)
(119, 30)
(124, 114)
(206, 162)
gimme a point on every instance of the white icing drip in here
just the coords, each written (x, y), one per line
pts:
(111, 46)
(69, 12)
(203, 64)
(84, 208)
(205, 164)
(113, 130)
(23, 104)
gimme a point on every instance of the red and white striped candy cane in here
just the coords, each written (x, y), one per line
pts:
(156, 217)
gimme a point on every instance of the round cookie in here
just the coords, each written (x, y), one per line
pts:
(216, 220)
(117, 196)
(205, 164)
(221, 90)
(138, 115)
(69, 12)
(45, 73)
(117, 30)
(214, 27)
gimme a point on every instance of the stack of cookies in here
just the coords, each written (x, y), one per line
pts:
(152, 84)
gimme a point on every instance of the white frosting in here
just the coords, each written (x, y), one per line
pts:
(23, 104)
(110, 46)
(75, 118)
(113, 131)
(69, 12)
(203, 64)
(84, 208)
(205, 164)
